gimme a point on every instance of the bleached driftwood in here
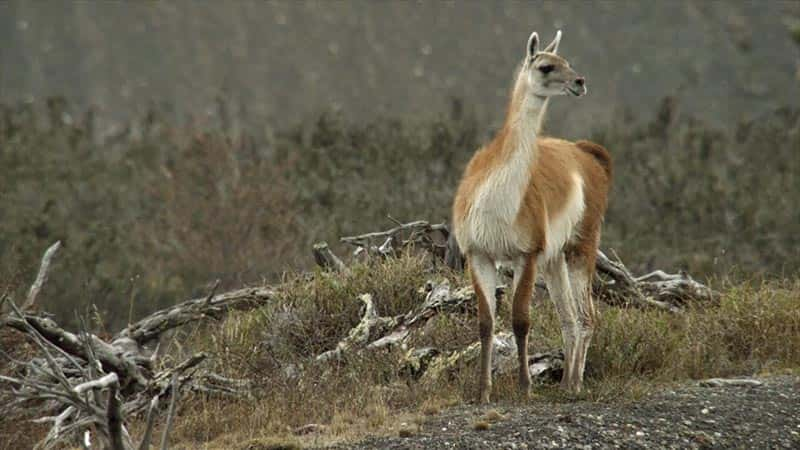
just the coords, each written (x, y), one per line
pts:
(616, 286)
(722, 382)
(77, 371)
(41, 276)
(374, 333)
(419, 234)
(545, 366)
(370, 325)
(78, 398)
(103, 382)
(656, 289)
(213, 307)
(326, 259)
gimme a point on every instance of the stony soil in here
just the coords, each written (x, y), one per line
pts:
(690, 416)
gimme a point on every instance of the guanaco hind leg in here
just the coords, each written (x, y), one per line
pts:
(581, 272)
(558, 284)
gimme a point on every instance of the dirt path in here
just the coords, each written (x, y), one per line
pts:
(766, 416)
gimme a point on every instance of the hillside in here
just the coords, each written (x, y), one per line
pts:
(226, 225)
(284, 61)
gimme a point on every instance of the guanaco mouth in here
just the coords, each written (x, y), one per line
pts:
(575, 92)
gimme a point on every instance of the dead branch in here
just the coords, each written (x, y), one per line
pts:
(171, 413)
(615, 285)
(439, 299)
(416, 227)
(115, 420)
(623, 288)
(80, 409)
(326, 259)
(151, 419)
(41, 277)
(376, 332)
(420, 234)
(77, 366)
(100, 383)
(369, 326)
(722, 382)
(152, 326)
(618, 286)
(547, 366)
(130, 370)
(656, 289)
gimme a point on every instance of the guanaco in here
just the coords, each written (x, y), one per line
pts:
(538, 203)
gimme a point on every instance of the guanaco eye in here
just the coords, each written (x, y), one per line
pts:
(546, 68)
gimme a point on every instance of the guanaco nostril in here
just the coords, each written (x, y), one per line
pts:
(580, 81)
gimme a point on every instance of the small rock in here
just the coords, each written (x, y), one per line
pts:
(564, 419)
(720, 382)
(310, 428)
(703, 439)
(405, 432)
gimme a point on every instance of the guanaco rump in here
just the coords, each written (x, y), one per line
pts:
(537, 203)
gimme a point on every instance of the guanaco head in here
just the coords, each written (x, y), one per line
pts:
(549, 74)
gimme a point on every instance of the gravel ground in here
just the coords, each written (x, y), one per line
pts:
(766, 416)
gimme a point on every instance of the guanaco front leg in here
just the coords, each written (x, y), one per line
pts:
(484, 280)
(524, 278)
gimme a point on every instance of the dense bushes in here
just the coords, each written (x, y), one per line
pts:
(153, 211)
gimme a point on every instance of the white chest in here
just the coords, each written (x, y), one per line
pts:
(489, 226)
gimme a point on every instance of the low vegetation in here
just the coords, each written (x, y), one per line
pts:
(154, 212)
(754, 330)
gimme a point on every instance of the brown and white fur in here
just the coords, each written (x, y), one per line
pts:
(538, 203)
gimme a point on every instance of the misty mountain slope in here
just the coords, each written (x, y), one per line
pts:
(284, 61)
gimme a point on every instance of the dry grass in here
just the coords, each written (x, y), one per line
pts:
(755, 329)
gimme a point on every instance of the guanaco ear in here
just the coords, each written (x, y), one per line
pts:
(553, 47)
(533, 44)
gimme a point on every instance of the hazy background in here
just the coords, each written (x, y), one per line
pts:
(284, 61)
(168, 144)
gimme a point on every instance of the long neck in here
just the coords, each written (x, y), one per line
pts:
(523, 121)
(514, 153)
